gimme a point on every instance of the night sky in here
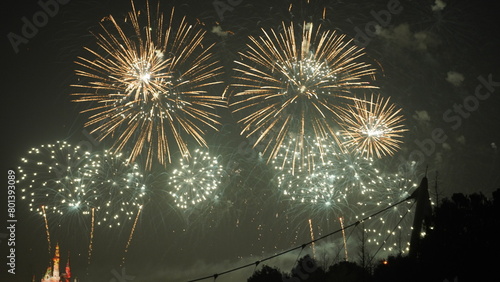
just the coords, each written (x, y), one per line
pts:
(437, 60)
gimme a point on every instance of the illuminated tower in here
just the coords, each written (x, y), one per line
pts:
(53, 274)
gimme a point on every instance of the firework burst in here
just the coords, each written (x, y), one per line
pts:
(150, 83)
(117, 187)
(51, 180)
(334, 185)
(52, 183)
(62, 182)
(342, 184)
(294, 84)
(373, 127)
(80, 190)
(196, 180)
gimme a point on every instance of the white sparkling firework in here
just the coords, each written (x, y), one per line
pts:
(196, 180)
(117, 187)
(50, 176)
(69, 182)
(347, 185)
(392, 229)
(333, 183)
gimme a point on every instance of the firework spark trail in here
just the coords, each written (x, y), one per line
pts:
(150, 85)
(373, 127)
(131, 235)
(91, 236)
(47, 230)
(295, 84)
(312, 238)
(343, 235)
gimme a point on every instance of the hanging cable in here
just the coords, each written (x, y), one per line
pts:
(303, 245)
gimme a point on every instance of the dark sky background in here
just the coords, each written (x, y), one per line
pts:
(430, 63)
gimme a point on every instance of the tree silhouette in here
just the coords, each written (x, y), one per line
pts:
(464, 238)
(399, 268)
(266, 274)
(347, 272)
(462, 245)
(307, 269)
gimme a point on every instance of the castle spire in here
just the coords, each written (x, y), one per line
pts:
(55, 274)
(68, 269)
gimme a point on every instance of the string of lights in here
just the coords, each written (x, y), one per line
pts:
(256, 263)
(396, 226)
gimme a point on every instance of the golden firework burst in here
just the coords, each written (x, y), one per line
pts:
(150, 85)
(293, 84)
(373, 127)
